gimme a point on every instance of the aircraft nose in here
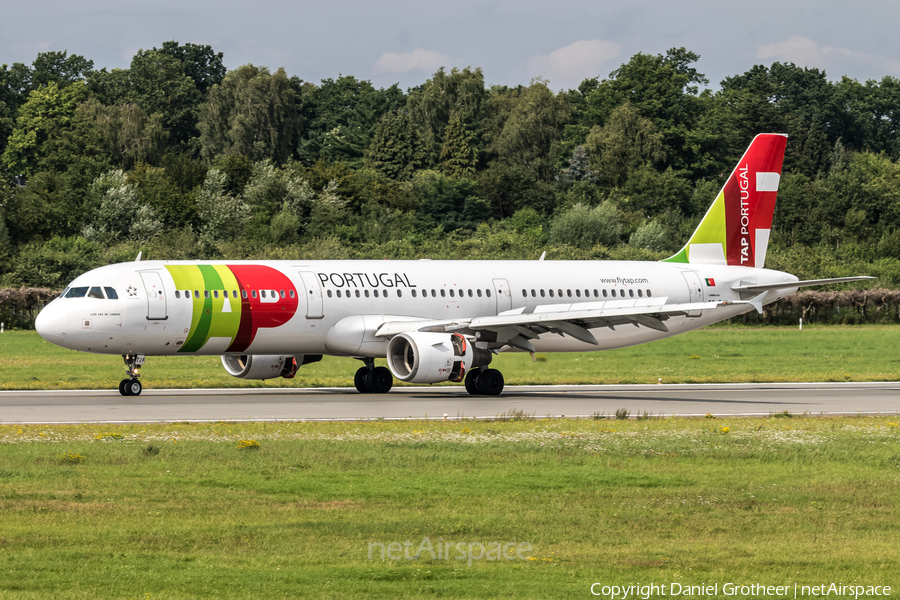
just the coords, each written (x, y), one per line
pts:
(52, 324)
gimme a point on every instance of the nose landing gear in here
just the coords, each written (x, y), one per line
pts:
(132, 386)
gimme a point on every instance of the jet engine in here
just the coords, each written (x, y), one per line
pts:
(422, 357)
(260, 366)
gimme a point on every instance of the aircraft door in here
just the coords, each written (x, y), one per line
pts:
(504, 298)
(695, 289)
(156, 296)
(313, 294)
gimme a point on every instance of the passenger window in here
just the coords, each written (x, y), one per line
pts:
(542, 293)
(622, 293)
(262, 294)
(282, 293)
(399, 294)
(487, 293)
(648, 293)
(640, 293)
(178, 294)
(569, 293)
(478, 293)
(631, 293)
(111, 293)
(578, 293)
(470, 293)
(551, 293)
(604, 293)
(244, 294)
(451, 293)
(384, 293)
(375, 292)
(413, 293)
(443, 293)
(433, 294)
(292, 293)
(196, 294)
(206, 293)
(524, 293)
(357, 293)
(96, 292)
(253, 293)
(216, 294)
(560, 293)
(77, 292)
(329, 293)
(596, 294)
(533, 293)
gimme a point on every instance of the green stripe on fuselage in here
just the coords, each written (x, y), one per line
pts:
(210, 316)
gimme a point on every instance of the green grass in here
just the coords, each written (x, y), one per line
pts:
(723, 354)
(87, 511)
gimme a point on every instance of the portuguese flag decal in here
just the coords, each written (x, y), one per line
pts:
(710, 282)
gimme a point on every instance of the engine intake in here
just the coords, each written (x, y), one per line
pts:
(262, 366)
(422, 357)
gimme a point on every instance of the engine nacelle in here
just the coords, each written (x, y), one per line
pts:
(422, 357)
(260, 366)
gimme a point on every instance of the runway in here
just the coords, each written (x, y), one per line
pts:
(279, 404)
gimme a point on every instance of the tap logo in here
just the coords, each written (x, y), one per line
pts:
(228, 302)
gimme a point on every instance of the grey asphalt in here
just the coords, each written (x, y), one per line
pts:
(435, 402)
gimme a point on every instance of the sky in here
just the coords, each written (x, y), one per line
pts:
(404, 42)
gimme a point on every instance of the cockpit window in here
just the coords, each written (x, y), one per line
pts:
(77, 292)
(111, 293)
(96, 292)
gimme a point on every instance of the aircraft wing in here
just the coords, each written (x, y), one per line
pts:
(516, 327)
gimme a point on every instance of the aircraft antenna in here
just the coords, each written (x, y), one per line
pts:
(138, 259)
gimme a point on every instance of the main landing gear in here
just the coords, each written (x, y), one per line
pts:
(373, 380)
(132, 386)
(484, 382)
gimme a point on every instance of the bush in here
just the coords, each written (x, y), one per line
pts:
(584, 227)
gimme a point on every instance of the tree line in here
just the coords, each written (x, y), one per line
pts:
(179, 158)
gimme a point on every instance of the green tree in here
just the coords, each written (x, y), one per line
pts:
(661, 88)
(534, 126)
(251, 113)
(119, 214)
(57, 261)
(339, 117)
(626, 142)
(221, 215)
(129, 134)
(159, 85)
(432, 105)
(199, 62)
(47, 110)
(59, 68)
(458, 154)
(397, 149)
(44, 208)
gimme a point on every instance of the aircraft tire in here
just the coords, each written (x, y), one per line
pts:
(471, 385)
(122, 389)
(360, 380)
(380, 380)
(133, 387)
(490, 383)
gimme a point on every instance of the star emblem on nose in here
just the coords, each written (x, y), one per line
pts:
(132, 291)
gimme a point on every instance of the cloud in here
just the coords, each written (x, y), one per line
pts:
(804, 52)
(418, 59)
(569, 66)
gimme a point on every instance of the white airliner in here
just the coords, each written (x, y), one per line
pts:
(434, 321)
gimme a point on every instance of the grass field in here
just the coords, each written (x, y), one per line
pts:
(721, 354)
(181, 511)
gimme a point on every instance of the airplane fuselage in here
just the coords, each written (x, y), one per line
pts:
(334, 307)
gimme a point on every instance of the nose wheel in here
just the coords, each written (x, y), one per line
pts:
(132, 386)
